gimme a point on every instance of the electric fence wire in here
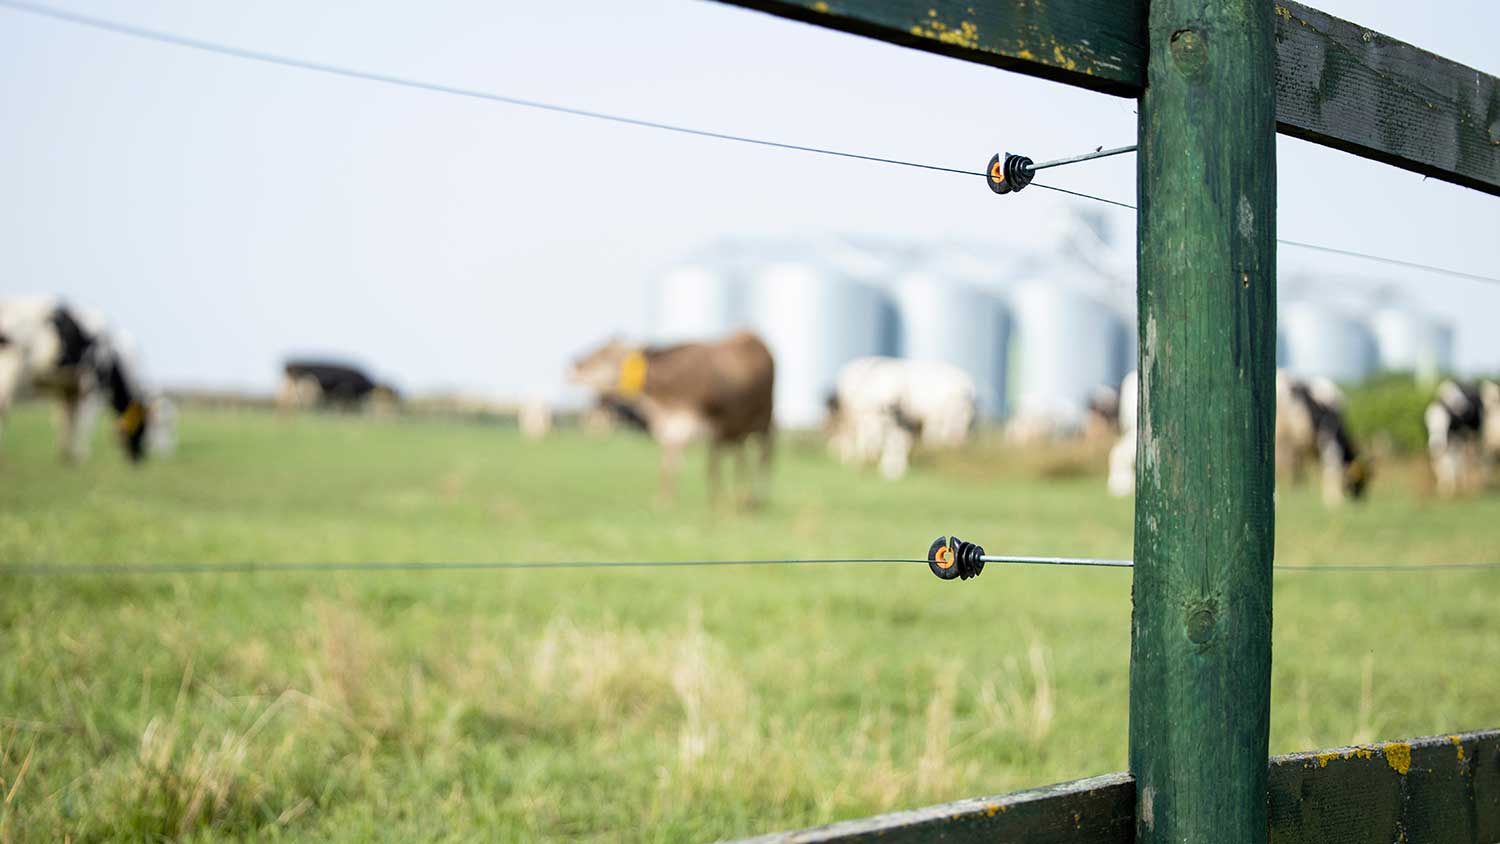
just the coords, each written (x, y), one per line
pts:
(96, 569)
(404, 82)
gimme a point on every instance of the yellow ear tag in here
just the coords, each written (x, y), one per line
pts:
(132, 418)
(632, 374)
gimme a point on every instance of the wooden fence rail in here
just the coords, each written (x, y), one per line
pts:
(1337, 83)
(1439, 790)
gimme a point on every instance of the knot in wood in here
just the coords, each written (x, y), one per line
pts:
(1200, 624)
(1189, 51)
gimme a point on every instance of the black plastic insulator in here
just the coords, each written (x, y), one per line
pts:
(950, 557)
(1011, 174)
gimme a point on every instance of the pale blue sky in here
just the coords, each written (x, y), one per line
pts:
(226, 212)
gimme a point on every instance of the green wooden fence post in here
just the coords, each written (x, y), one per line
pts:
(1200, 668)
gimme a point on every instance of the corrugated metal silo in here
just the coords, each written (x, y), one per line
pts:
(1065, 344)
(696, 301)
(1327, 342)
(946, 321)
(1412, 342)
(815, 320)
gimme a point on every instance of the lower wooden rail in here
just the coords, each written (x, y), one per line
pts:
(1437, 790)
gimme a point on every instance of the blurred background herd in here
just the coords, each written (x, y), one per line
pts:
(1038, 333)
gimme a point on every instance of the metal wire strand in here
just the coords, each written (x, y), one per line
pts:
(44, 569)
(65, 569)
(404, 82)
(388, 79)
(1125, 564)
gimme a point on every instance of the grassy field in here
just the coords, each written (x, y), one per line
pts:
(630, 705)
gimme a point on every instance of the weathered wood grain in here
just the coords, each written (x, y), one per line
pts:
(1438, 790)
(1100, 810)
(1344, 86)
(1338, 84)
(1200, 653)
(1094, 44)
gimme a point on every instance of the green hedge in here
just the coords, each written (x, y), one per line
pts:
(1389, 408)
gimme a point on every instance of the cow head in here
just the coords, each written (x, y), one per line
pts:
(1357, 477)
(134, 422)
(609, 369)
(130, 403)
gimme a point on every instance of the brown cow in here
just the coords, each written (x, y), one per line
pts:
(718, 390)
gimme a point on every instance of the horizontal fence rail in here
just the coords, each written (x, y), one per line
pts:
(1337, 83)
(1437, 790)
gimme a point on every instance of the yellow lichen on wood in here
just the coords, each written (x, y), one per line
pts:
(964, 34)
(1398, 756)
(1325, 758)
(1061, 59)
(1458, 743)
(967, 35)
(820, 6)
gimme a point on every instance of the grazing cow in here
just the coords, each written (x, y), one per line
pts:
(52, 348)
(721, 391)
(1463, 431)
(308, 383)
(882, 407)
(1309, 427)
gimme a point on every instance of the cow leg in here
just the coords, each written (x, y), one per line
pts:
(1444, 470)
(1333, 484)
(79, 412)
(895, 451)
(10, 380)
(671, 465)
(744, 484)
(715, 479)
(760, 486)
(1122, 466)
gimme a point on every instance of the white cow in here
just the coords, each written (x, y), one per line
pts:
(51, 348)
(882, 407)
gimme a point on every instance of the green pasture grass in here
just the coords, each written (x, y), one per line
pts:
(675, 704)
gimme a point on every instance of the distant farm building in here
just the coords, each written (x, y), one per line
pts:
(1041, 324)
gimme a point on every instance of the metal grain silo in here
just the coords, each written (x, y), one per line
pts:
(815, 320)
(1064, 345)
(696, 300)
(1412, 342)
(1324, 341)
(942, 320)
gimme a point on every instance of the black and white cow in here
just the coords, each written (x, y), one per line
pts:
(307, 383)
(48, 347)
(1309, 429)
(1463, 432)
